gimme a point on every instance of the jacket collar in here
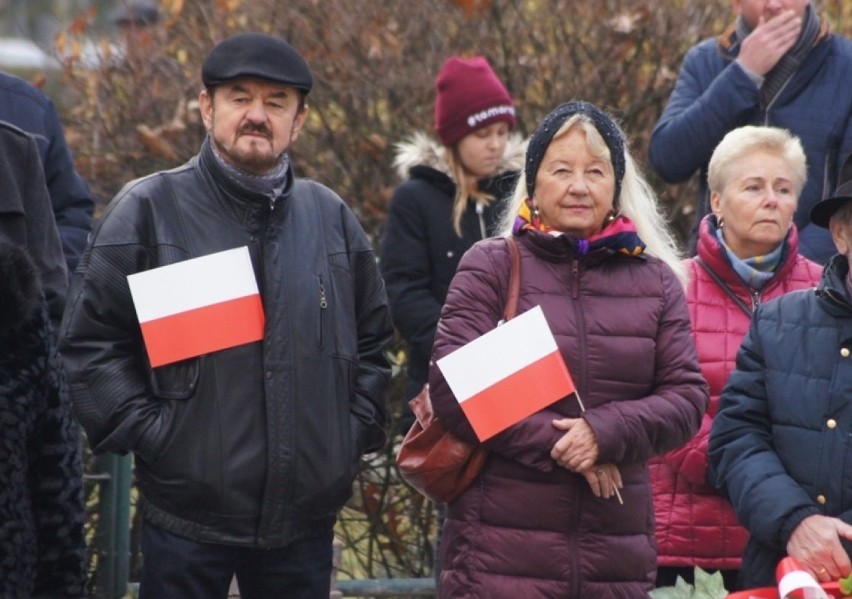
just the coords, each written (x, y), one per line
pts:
(712, 252)
(832, 286)
(245, 205)
(728, 43)
(560, 249)
(421, 150)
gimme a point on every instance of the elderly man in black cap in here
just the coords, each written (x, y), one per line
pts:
(228, 326)
(779, 446)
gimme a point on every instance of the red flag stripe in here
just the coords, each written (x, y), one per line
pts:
(203, 330)
(519, 395)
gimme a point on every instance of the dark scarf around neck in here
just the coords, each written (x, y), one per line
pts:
(271, 184)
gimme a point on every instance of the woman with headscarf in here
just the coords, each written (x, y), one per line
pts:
(544, 519)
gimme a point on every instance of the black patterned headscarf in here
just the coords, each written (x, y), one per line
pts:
(543, 135)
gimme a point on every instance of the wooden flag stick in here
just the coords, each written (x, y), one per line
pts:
(583, 409)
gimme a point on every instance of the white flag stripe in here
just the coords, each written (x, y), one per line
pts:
(497, 354)
(192, 284)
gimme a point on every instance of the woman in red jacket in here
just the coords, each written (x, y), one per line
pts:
(747, 254)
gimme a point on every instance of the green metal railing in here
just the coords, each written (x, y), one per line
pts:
(111, 543)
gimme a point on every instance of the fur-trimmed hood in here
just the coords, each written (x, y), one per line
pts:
(20, 291)
(422, 150)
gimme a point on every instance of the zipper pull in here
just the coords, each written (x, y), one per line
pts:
(755, 300)
(323, 299)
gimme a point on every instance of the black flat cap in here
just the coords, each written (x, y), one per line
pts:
(256, 55)
(823, 210)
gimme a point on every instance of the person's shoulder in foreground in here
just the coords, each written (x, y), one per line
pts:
(42, 549)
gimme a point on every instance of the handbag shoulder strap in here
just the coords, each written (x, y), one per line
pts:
(724, 286)
(511, 309)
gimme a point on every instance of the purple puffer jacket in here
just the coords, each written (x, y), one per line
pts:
(528, 528)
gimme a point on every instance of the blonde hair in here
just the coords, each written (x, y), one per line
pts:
(467, 188)
(743, 141)
(637, 200)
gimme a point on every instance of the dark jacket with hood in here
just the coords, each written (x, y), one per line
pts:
(527, 527)
(42, 550)
(421, 249)
(255, 445)
(779, 446)
(28, 108)
(714, 95)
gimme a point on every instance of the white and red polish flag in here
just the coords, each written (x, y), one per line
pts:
(198, 306)
(507, 374)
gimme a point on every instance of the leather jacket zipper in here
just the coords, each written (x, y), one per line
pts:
(323, 304)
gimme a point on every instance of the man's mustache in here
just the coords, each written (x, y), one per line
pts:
(261, 129)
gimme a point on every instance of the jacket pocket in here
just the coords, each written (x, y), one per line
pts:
(175, 381)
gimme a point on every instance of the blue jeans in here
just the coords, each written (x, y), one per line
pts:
(176, 568)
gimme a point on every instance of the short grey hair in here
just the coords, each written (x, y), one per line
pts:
(743, 141)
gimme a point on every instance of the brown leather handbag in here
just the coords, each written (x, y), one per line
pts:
(432, 459)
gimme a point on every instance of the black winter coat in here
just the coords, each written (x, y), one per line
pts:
(42, 550)
(420, 248)
(255, 445)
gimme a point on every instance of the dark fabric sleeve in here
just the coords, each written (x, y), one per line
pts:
(743, 463)
(375, 333)
(408, 275)
(699, 113)
(72, 201)
(102, 347)
(43, 242)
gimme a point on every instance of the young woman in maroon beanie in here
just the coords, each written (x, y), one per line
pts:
(450, 199)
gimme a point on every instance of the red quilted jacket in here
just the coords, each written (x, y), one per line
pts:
(695, 525)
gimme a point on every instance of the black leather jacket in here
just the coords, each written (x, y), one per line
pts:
(255, 445)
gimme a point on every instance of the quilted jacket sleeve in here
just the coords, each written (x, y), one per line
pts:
(743, 462)
(666, 418)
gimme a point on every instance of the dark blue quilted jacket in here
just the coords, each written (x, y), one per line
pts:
(780, 444)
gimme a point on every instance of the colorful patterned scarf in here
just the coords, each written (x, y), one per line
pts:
(618, 235)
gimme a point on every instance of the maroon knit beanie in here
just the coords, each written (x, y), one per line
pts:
(470, 96)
